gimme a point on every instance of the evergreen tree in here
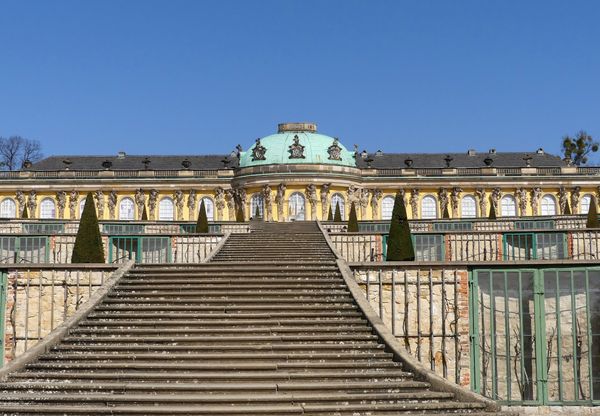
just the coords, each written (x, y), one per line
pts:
(492, 211)
(88, 243)
(337, 217)
(239, 214)
(352, 220)
(330, 215)
(144, 214)
(25, 214)
(567, 210)
(202, 223)
(592, 217)
(399, 244)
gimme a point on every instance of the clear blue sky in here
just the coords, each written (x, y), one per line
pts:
(194, 77)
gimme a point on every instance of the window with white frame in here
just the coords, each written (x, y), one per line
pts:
(8, 208)
(468, 207)
(126, 209)
(428, 207)
(508, 206)
(337, 200)
(548, 205)
(255, 201)
(584, 204)
(166, 211)
(81, 206)
(297, 207)
(209, 207)
(47, 208)
(387, 206)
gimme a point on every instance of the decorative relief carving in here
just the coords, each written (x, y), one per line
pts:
(179, 199)
(73, 198)
(99, 197)
(296, 149)
(521, 197)
(152, 199)
(258, 152)
(112, 203)
(325, 200)
(268, 201)
(482, 200)
(454, 200)
(575, 193)
(335, 151)
(376, 195)
(61, 203)
(279, 200)
(219, 202)
(414, 202)
(140, 201)
(536, 194)
(311, 195)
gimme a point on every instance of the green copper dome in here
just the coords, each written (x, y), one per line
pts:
(297, 143)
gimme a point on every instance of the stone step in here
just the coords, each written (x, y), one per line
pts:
(340, 329)
(202, 323)
(313, 315)
(291, 280)
(281, 302)
(335, 337)
(297, 291)
(231, 308)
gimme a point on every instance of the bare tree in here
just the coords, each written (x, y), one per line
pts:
(16, 150)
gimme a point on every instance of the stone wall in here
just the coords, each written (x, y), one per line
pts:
(38, 300)
(428, 312)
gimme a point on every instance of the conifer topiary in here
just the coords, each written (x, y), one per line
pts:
(202, 223)
(352, 220)
(88, 243)
(492, 215)
(144, 214)
(337, 217)
(330, 215)
(592, 216)
(399, 243)
(25, 214)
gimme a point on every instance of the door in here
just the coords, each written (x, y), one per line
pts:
(297, 205)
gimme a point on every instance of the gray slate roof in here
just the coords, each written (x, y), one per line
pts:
(383, 161)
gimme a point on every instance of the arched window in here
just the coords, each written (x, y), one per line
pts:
(126, 209)
(508, 206)
(256, 201)
(209, 206)
(8, 208)
(548, 205)
(338, 200)
(387, 206)
(297, 204)
(47, 208)
(468, 207)
(81, 206)
(166, 210)
(428, 207)
(584, 204)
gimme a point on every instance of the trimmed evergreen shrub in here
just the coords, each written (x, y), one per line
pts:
(239, 214)
(492, 215)
(202, 223)
(144, 214)
(337, 217)
(25, 214)
(352, 220)
(399, 243)
(567, 209)
(88, 243)
(592, 216)
(330, 215)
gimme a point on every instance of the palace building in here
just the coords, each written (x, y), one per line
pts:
(299, 174)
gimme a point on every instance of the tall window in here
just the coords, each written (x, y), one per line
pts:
(126, 209)
(209, 206)
(255, 201)
(584, 204)
(81, 206)
(508, 206)
(387, 206)
(47, 208)
(8, 208)
(468, 207)
(297, 206)
(428, 207)
(166, 209)
(548, 205)
(338, 200)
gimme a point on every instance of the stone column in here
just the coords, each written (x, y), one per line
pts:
(61, 203)
(311, 195)
(99, 197)
(482, 199)
(375, 197)
(536, 194)
(73, 198)
(112, 203)
(179, 198)
(280, 200)
(414, 203)
(219, 202)
(191, 204)
(152, 199)
(454, 200)
(325, 200)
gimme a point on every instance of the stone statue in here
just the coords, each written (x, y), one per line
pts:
(61, 203)
(219, 202)
(352, 195)
(536, 194)
(268, 201)
(481, 196)
(191, 203)
(443, 199)
(99, 197)
(280, 200)
(179, 199)
(230, 201)
(240, 199)
(112, 204)
(454, 200)
(152, 199)
(364, 202)
(311, 195)
(325, 188)
(563, 199)
(140, 201)
(32, 203)
(575, 193)
(521, 197)
(376, 195)
(495, 197)
(20, 197)
(414, 202)
(73, 198)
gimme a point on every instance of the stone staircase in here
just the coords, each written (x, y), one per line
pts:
(267, 328)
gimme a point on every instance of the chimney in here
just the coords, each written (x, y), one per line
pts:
(471, 152)
(121, 155)
(540, 151)
(492, 151)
